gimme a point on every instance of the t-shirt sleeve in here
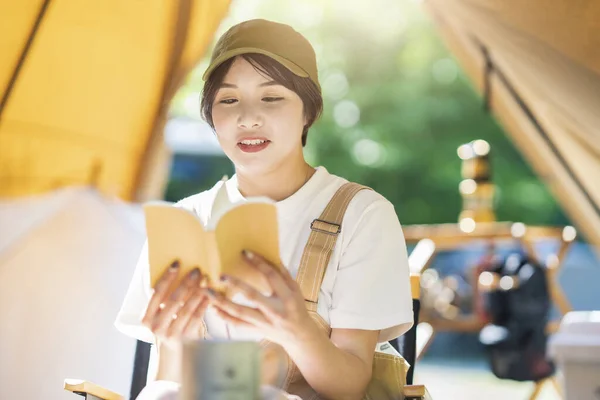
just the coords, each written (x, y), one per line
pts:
(129, 318)
(372, 285)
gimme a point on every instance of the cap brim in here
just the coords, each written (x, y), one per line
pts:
(294, 68)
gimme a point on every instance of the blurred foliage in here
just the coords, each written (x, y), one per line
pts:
(397, 106)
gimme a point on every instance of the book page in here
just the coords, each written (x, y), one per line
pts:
(251, 226)
(222, 204)
(174, 233)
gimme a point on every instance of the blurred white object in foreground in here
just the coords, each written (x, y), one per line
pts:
(66, 259)
(576, 349)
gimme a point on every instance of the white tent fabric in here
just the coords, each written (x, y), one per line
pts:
(537, 63)
(66, 259)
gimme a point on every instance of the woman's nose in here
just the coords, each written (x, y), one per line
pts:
(249, 118)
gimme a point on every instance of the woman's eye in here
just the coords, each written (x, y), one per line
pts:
(272, 99)
(228, 101)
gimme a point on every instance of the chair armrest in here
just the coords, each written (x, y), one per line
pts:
(416, 392)
(425, 335)
(85, 388)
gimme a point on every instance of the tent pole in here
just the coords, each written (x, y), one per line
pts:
(24, 53)
(487, 83)
(173, 80)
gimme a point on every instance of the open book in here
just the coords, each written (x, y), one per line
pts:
(215, 247)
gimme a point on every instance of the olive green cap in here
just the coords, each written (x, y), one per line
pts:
(278, 41)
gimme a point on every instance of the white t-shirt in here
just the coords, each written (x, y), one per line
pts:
(366, 284)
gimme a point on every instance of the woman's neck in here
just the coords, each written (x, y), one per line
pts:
(278, 184)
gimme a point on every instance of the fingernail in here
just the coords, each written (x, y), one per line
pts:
(211, 293)
(174, 266)
(248, 254)
(195, 274)
(224, 278)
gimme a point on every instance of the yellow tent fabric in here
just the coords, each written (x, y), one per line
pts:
(85, 86)
(537, 64)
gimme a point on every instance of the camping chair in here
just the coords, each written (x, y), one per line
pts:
(409, 351)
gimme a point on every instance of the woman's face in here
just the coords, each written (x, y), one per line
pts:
(258, 122)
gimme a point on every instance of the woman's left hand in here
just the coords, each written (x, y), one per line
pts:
(281, 317)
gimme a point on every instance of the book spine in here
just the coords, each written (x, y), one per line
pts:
(214, 261)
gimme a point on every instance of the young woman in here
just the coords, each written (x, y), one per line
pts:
(261, 96)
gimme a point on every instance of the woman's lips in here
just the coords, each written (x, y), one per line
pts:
(253, 148)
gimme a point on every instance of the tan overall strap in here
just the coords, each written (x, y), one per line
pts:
(323, 235)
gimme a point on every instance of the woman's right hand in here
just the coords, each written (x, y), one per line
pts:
(175, 315)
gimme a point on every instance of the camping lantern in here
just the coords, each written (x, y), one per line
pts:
(476, 188)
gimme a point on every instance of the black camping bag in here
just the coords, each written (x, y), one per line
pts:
(515, 339)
